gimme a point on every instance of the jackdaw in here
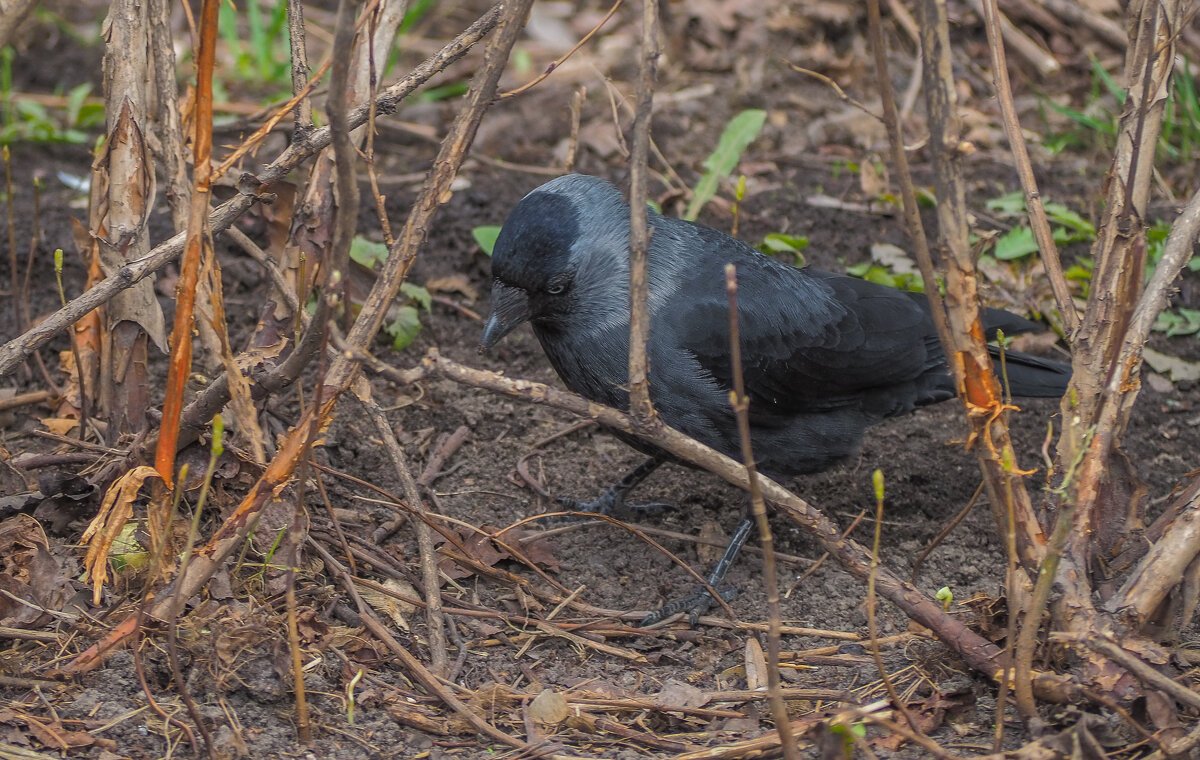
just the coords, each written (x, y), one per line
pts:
(824, 355)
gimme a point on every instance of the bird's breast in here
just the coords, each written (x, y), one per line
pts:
(594, 365)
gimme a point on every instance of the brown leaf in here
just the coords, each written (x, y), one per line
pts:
(29, 572)
(549, 707)
(537, 549)
(60, 426)
(756, 665)
(679, 694)
(871, 180)
(454, 283)
(115, 511)
(483, 550)
(388, 605)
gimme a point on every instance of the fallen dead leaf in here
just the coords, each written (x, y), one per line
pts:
(60, 426)
(29, 572)
(115, 511)
(454, 283)
(756, 665)
(549, 707)
(1172, 366)
(894, 258)
(388, 605)
(679, 694)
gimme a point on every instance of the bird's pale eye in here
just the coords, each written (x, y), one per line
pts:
(558, 285)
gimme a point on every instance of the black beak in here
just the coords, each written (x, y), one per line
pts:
(510, 307)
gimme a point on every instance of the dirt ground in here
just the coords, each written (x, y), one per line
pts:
(232, 639)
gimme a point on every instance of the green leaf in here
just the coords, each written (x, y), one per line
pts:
(404, 327)
(738, 134)
(1068, 218)
(1178, 322)
(1110, 84)
(368, 252)
(444, 92)
(75, 99)
(1017, 243)
(778, 242)
(31, 111)
(1079, 273)
(486, 235)
(417, 294)
(1010, 203)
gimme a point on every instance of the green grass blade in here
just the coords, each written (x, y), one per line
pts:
(738, 134)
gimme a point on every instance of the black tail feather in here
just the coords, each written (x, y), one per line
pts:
(1031, 376)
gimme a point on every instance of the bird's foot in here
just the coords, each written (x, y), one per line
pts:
(695, 605)
(612, 504)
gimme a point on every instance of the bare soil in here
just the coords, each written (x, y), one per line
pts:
(232, 640)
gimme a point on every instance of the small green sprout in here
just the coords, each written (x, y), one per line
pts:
(945, 597)
(350, 696)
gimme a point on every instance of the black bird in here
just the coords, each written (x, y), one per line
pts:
(825, 355)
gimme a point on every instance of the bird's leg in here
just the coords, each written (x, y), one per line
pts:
(612, 501)
(699, 602)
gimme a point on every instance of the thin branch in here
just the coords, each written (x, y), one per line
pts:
(198, 240)
(431, 581)
(559, 61)
(979, 653)
(252, 189)
(343, 370)
(302, 121)
(170, 132)
(741, 409)
(1026, 47)
(640, 405)
(908, 193)
(1038, 221)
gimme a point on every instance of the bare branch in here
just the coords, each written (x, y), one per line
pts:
(639, 232)
(1033, 198)
(253, 189)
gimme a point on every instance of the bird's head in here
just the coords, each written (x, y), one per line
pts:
(558, 257)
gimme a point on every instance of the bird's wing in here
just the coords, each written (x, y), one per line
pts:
(810, 340)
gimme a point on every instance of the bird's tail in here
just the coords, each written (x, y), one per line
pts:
(1031, 376)
(1027, 375)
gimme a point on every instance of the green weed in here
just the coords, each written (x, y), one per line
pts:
(1017, 243)
(882, 275)
(785, 246)
(737, 136)
(403, 320)
(1095, 125)
(24, 120)
(485, 235)
(262, 62)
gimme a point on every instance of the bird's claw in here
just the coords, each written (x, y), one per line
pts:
(695, 605)
(607, 504)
